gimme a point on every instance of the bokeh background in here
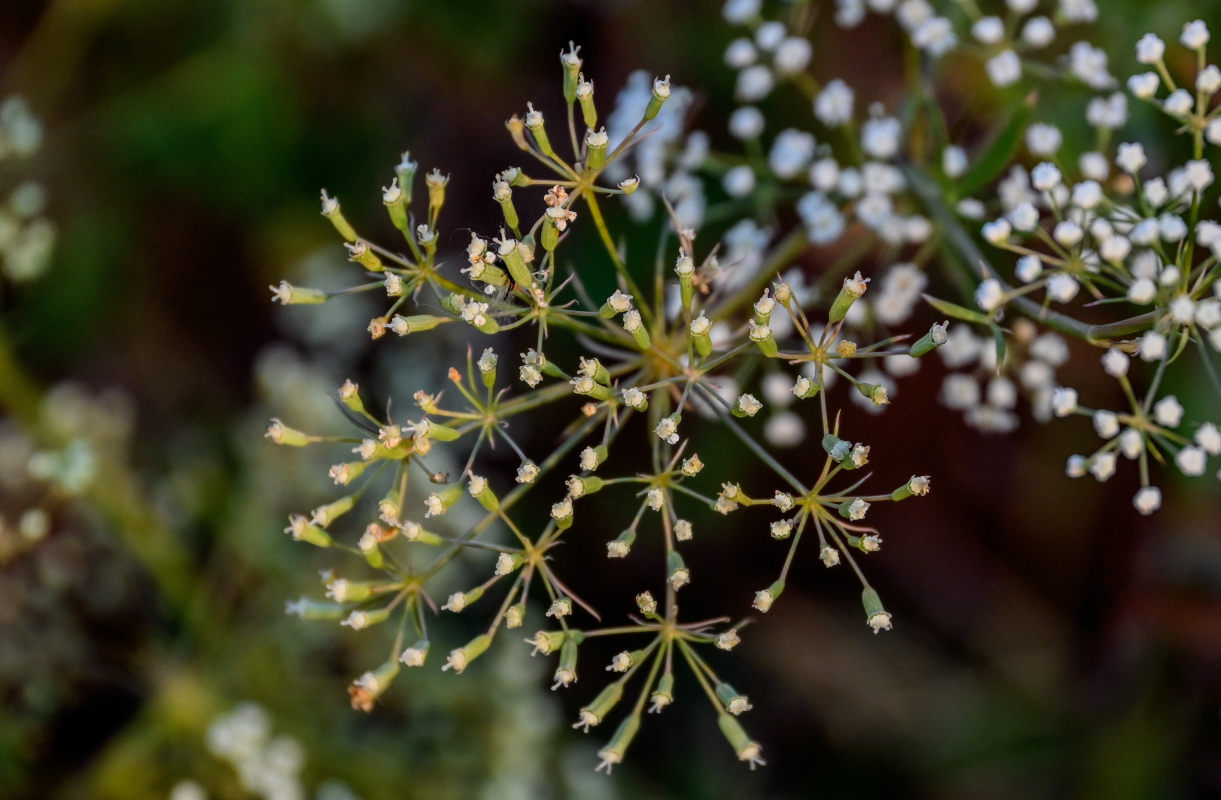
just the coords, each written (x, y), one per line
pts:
(1048, 642)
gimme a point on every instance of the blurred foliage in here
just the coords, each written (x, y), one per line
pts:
(1074, 653)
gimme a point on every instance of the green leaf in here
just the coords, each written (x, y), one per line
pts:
(998, 155)
(957, 311)
(999, 336)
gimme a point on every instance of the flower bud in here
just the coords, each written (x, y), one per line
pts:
(404, 172)
(635, 326)
(324, 515)
(621, 545)
(302, 530)
(585, 96)
(617, 303)
(571, 62)
(534, 122)
(415, 655)
(359, 620)
(436, 183)
(566, 670)
(314, 609)
(330, 210)
(935, 337)
(676, 571)
(592, 457)
(280, 433)
(746, 749)
(646, 603)
(875, 615)
(661, 93)
(851, 291)
(503, 195)
(629, 185)
(395, 201)
(875, 392)
(616, 748)
(734, 702)
(370, 686)
(917, 485)
(663, 695)
(480, 490)
(460, 658)
(603, 704)
(765, 597)
(440, 501)
(596, 143)
(288, 295)
(761, 335)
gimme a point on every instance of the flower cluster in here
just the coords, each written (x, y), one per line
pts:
(654, 358)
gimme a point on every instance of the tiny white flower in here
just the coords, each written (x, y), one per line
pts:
(997, 232)
(1148, 500)
(1103, 466)
(1115, 363)
(1142, 292)
(1179, 103)
(1208, 437)
(1075, 466)
(1168, 411)
(1045, 176)
(1150, 49)
(1038, 32)
(1064, 401)
(1144, 85)
(1152, 346)
(1195, 34)
(1191, 461)
(1028, 268)
(1043, 139)
(1062, 288)
(1131, 443)
(1004, 68)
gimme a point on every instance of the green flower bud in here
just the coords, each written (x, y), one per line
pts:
(603, 704)
(734, 702)
(405, 171)
(315, 609)
(534, 122)
(661, 93)
(746, 749)
(585, 96)
(571, 62)
(615, 749)
(330, 210)
(596, 143)
(460, 658)
(288, 295)
(852, 290)
(935, 337)
(302, 530)
(877, 617)
(280, 433)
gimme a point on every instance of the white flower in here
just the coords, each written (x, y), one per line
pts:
(857, 509)
(953, 161)
(1075, 466)
(1064, 401)
(833, 105)
(790, 153)
(1182, 309)
(754, 83)
(792, 56)
(988, 30)
(740, 53)
(1152, 346)
(880, 137)
(746, 122)
(1004, 68)
(739, 181)
(1094, 166)
(989, 294)
(1102, 467)
(1209, 438)
(1115, 363)
(1043, 139)
(1179, 103)
(748, 404)
(667, 430)
(1024, 218)
(738, 12)
(1115, 249)
(1106, 423)
(1062, 288)
(1195, 34)
(1131, 443)
(1148, 500)
(1150, 49)
(1191, 461)
(997, 232)
(1130, 157)
(1199, 174)
(1168, 411)
(1089, 64)
(1142, 292)
(1045, 176)
(1144, 85)
(1208, 80)
(1038, 32)
(1028, 268)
